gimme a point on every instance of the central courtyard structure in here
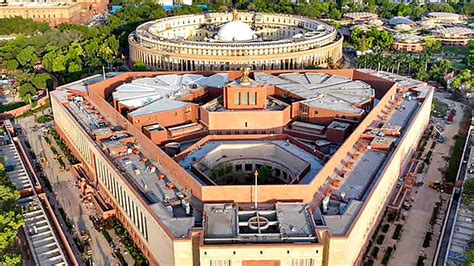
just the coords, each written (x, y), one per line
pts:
(244, 168)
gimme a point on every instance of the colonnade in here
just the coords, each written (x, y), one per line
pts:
(168, 61)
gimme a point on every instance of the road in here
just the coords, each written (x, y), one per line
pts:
(67, 194)
(417, 221)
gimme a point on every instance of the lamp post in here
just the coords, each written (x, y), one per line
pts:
(256, 191)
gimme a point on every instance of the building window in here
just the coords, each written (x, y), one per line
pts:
(253, 98)
(245, 98)
(237, 98)
(248, 167)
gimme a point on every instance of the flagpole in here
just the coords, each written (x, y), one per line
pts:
(256, 189)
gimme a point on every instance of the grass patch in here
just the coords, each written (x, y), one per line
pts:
(456, 50)
(439, 108)
(456, 156)
(44, 119)
(36, 110)
(11, 106)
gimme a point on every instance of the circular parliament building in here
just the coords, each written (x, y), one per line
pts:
(229, 41)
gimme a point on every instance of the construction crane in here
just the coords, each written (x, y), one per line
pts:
(441, 137)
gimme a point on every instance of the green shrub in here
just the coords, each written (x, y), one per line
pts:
(427, 240)
(392, 217)
(387, 256)
(380, 239)
(420, 261)
(385, 228)
(107, 236)
(374, 252)
(44, 119)
(11, 106)
(120, 257)
(434, 215)
(398, 232)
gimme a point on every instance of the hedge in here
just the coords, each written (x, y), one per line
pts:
(375, 252)
(387, 255)
(380, 239)
(398, 231)
(385, 228)
(427, 240)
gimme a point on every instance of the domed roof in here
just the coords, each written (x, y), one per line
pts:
(235, 31)
(400, 20)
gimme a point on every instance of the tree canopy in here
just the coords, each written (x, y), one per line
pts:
(371, 39)
(11, 219)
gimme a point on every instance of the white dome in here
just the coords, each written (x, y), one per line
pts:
(235, 31)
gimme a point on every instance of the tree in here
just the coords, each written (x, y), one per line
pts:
(469, 258)
(12, 259)
(139, 66)
(11, 219)
(26, 55)
(465, 80)
(27, 91)
(42, 81)
(11, 64)
(432, 45)
(468, 191)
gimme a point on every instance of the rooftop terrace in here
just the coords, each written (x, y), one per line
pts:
(143, 173)
(281, 222)
(322, 90)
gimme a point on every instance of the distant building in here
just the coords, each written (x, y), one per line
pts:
(445, 18)
(453, 36)
(408, 43)
(230, 41)
(54, 13)
(360, 16)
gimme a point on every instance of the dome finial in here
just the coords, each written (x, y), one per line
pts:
(235, 15)
(245, 80)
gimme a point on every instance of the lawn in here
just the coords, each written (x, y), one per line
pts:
(44, 119)
(456, 156)
(439, 108)
(11, 106)
(456, 50)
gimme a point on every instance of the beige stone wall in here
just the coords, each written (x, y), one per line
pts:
(54, 15)
(237, 255)
(139, 219)
(352, 245)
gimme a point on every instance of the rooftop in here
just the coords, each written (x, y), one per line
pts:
(279, 222)
(163, 92)
(444, 15)
(41, 237)
(321, 90)
(10, 158)
(454, 30)
(360, 15)
(143, 173)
